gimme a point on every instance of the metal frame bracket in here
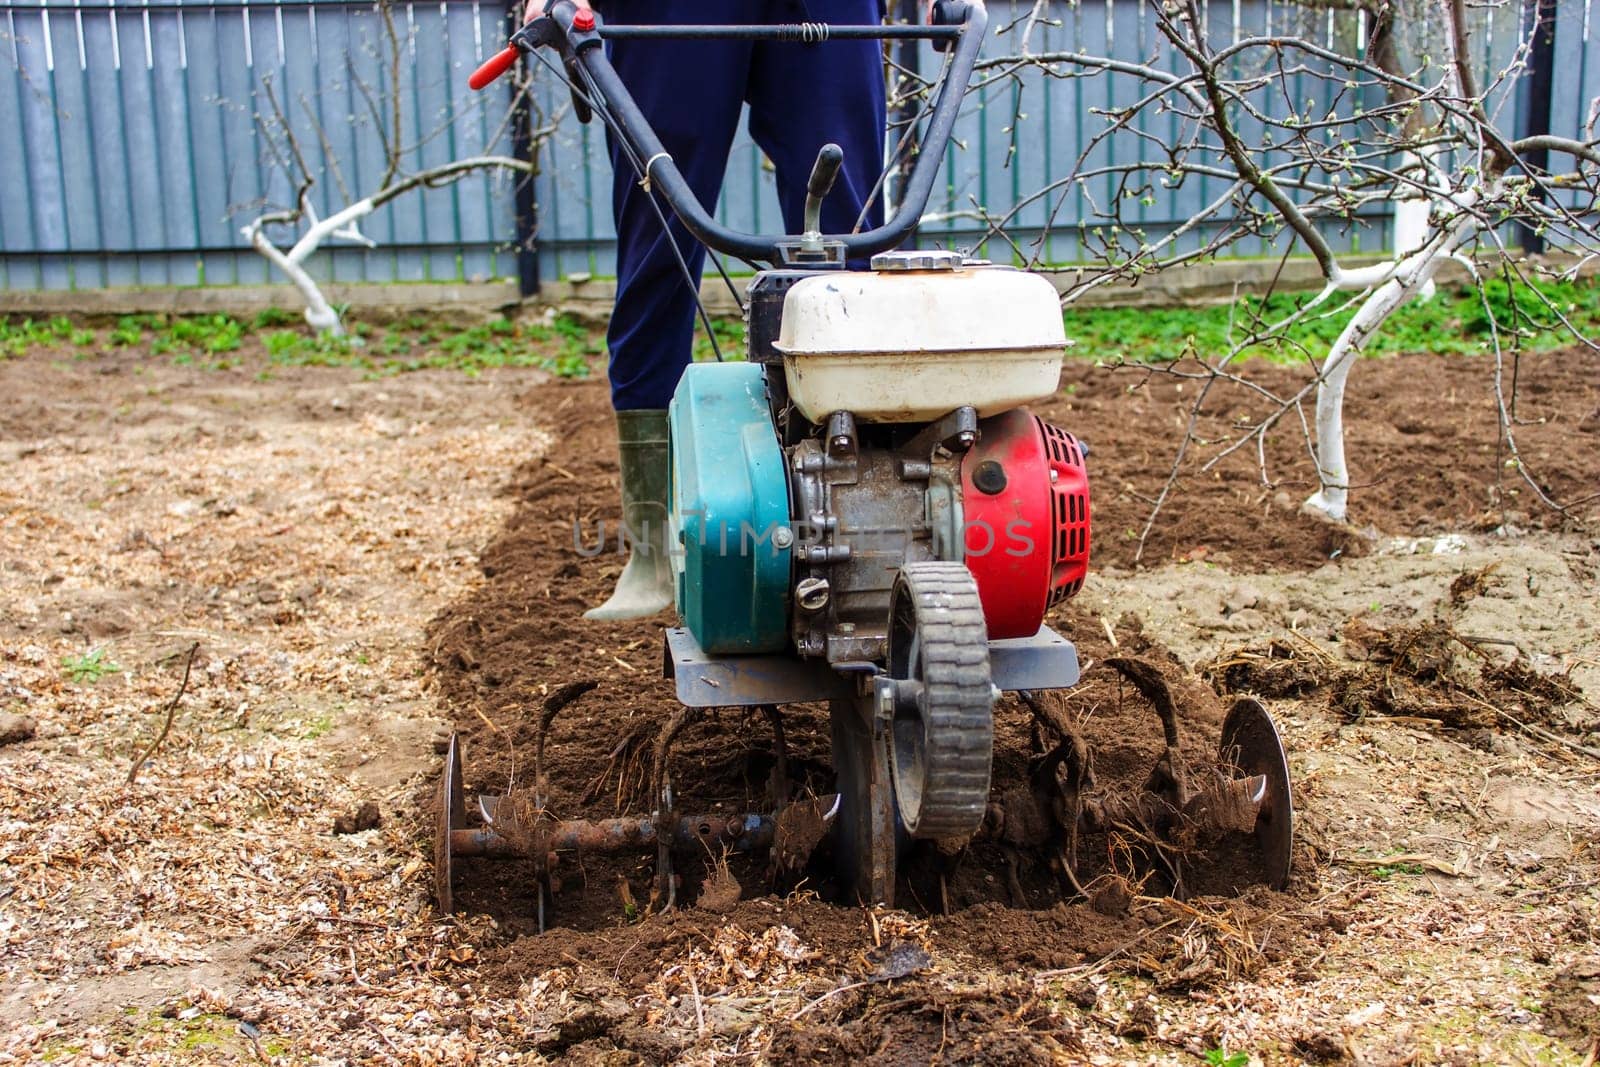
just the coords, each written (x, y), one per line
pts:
(1044, 661)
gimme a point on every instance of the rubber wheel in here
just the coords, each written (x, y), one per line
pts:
(942, 736)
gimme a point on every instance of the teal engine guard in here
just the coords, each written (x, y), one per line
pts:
(729, 510)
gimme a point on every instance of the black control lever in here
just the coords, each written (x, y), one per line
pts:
(823, 174)
(580, 103)
(545, 31)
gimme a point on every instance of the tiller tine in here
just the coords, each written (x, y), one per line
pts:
(452, 817)
(1249, 796)
(512, 829)
(1229, 805)
(1250, 743)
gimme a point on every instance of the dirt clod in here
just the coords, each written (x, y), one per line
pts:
(1320, 1047)
(1112, 897)
(899, 960)
(15, 729)
(720, 891)
(1573, 1004)
(1275, 670)
(366, 817)
(1139, 1022)
(1429, 671)
(1469, 584)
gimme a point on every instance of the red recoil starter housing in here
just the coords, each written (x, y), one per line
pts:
(1025, 504)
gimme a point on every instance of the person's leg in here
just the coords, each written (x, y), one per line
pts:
(691, 93)
(803, 96)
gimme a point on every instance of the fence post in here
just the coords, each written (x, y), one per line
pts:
(1534, 120)
(522, 146)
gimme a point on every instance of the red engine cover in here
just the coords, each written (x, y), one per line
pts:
(1025, 502)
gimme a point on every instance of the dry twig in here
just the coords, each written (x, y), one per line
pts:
(172, 709)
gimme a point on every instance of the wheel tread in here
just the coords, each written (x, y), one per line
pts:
(958, 712)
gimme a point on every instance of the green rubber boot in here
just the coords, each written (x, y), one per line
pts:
(645, 586)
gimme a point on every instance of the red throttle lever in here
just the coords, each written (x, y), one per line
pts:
(496, 65)
(582, 20)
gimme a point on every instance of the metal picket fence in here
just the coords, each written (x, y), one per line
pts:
(132, 147)
(136, 140)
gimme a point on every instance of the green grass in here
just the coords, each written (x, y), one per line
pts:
(199, 334)
(129, 331)
(562, 346)
(317, 726)
(1217, 1057)
(1515, 1045)
(1454, 322)
(1388, 870)
(1385, 871)
(17, 337)
(59, 1049)
(89, 667)
(730, 339)
(205, 1035)
(271, 317)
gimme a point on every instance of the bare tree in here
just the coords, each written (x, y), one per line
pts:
(1305, 135)
(382, 102)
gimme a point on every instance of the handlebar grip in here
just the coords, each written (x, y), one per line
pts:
(948, 13)
(495, 66)
(824, 171)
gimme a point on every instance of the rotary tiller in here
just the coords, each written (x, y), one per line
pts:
(864, 513)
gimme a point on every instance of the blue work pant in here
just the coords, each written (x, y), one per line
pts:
(801, 96)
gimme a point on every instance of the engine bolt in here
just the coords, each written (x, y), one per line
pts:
(812, 593)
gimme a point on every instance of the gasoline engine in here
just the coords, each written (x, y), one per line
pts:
(866, 494)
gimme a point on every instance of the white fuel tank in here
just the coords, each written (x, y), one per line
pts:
(919, 335)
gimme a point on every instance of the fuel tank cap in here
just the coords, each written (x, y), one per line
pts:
(918, 259)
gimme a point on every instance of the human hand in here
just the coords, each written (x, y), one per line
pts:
(535, 8)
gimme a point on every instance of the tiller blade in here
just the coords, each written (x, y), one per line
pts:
(1250, 743)
(513, 827)
(1211, 831)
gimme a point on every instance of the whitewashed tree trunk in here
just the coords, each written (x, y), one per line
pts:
(1411, 214)
(1405, 279)
(320, 315)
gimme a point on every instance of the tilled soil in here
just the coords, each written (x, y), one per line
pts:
(366, 562)
(1426, 456)
(1428, 459)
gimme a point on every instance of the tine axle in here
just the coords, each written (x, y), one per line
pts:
(739, 832)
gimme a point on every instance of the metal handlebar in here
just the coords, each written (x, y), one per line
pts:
(579, 35)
